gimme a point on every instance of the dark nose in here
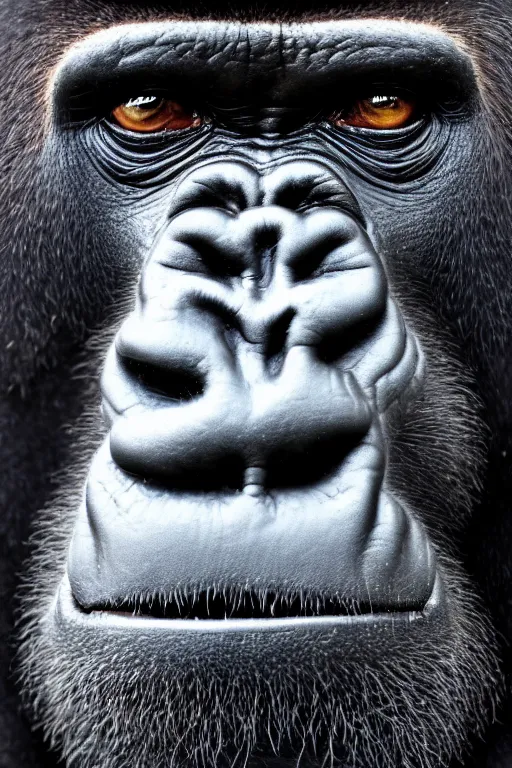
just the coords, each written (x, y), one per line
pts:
(255, 352)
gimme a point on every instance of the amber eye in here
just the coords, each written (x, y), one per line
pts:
(145, 114)
(378, 112)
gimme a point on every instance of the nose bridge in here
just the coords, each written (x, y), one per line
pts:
(260, 231)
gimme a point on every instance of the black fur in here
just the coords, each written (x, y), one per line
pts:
(56, 313)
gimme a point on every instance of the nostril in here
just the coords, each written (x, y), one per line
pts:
(265, 245)
(335, 347)
(319, 258)
(267, 237)
(218, 262)
(174, 384)
(275, 348)
(220, 312)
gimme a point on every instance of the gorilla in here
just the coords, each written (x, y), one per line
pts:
(256, 346)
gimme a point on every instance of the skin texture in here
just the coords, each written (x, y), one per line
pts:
(437, 239)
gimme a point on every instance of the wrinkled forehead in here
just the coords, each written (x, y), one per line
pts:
(236, 56)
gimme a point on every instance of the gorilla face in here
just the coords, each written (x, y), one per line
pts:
(262, 560)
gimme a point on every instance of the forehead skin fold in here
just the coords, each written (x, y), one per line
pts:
(239, 56)
(282, 44)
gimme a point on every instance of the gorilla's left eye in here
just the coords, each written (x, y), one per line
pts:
(146, 114)
(380, 112)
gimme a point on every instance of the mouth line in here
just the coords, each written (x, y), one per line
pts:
(121, 620)
(210, 609)
(244, 625)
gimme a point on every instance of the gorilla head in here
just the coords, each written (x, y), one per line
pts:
(285, 242)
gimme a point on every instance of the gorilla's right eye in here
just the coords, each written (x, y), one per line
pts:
(146, 114)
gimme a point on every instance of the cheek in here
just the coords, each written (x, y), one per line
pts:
(420, 229)
(123, 219)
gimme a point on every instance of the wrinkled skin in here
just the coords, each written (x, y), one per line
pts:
(285, 538)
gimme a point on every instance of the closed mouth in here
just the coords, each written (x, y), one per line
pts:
(241, 604)
(243, 610)
(217, 609)
(162, 557)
